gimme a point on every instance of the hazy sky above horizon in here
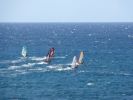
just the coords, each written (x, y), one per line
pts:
(66, 10)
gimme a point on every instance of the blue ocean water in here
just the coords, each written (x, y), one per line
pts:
(107, 72)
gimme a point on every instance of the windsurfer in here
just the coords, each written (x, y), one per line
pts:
(76, 62)
(50, 55)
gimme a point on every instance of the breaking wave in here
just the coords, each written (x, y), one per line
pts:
(90, 84)
(37, 58)
(22, 66)
(59, 67)
(22, 59)
(12, 61)
(63, 57)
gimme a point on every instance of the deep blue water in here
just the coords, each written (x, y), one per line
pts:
(107, 72)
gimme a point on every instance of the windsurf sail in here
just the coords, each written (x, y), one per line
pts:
(81, 56)
(24, 51)
(74, 62)
(50, 55)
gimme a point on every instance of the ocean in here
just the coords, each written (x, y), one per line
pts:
(106, 74)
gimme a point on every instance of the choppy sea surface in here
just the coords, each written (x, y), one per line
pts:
(107, 72)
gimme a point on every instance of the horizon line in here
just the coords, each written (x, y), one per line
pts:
(71, 22)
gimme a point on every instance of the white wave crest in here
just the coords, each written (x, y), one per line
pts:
(62, 57)
(17, 61)
(28, 65)
(14, 67)
(39, 69)
(63, 69)
(22, 66)
(58, 68)
(37, 58)
(89, 84)
(125, 74)
(11, 61)
(41, 63)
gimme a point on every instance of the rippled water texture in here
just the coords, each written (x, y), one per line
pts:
(107, 72)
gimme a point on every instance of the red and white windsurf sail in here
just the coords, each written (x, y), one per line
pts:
(50, 55)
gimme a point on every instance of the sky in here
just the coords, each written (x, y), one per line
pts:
(66, 10)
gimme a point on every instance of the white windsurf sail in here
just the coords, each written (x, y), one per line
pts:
(24, 51)
(73, 65)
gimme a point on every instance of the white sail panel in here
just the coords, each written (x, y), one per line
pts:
(24, 51)
(73, 65)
